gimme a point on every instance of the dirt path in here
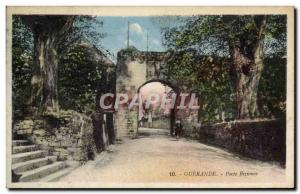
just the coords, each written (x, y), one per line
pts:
(152, 161)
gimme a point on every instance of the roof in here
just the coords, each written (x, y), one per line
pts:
(97, 54)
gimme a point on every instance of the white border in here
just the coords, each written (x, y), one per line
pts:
(110, 2)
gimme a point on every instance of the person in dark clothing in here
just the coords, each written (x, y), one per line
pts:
(178, 128)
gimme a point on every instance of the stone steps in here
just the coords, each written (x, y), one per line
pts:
(20, 142)
(57, 175)
(22, 157)
(24, 148)
(32, 164)
(40, 172)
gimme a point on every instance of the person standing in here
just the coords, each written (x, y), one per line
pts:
(178, 128)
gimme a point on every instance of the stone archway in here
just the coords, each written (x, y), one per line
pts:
(173, 90)
(134, 69)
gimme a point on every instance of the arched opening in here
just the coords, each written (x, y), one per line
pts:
(156, 114)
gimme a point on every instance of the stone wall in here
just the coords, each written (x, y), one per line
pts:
(188, 117)
(134, 68)
(130, 74)
(263, 140)
(67, 134)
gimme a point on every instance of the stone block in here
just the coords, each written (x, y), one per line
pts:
(78, 156)
(39, 132)
(54, 143)
(66, 143)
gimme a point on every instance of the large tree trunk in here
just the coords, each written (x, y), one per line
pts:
(248, 66)
(44, 80)
(49, 32)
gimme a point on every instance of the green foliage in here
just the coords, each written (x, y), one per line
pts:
(211, 35)
(21, 67)
(272, 87)
(85, 28)
(78, 72)
(210, 79)
(213, 80)
(79, 76)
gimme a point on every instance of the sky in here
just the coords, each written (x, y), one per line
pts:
(115, 29)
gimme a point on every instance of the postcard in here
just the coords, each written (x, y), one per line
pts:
(150, 97)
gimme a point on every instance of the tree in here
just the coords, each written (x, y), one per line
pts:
(48, 32)
(21, 67)
(85, 74)
(209, 78)
(244, 40)
(246, 52)
(53, 36)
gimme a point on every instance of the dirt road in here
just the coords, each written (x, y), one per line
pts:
(159, 161)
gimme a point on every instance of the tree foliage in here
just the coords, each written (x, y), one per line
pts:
(82, 77)
(25, 66)
(238, 47)
(22, 52)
